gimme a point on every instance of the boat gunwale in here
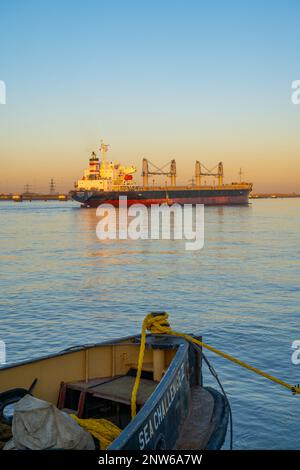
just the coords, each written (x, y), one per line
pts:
(83, 347)
(69, 350)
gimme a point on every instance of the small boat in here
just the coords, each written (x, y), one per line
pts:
(174, 409)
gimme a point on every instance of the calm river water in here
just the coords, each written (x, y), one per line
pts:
(61, 286)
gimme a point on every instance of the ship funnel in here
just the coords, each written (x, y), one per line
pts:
(93, 167)
(198, 173)
(173, 173)
(145, 173)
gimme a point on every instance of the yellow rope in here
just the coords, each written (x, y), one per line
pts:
(105, 431)
(158, 324)
(145, 327)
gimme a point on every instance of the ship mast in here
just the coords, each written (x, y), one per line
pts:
(103, 150)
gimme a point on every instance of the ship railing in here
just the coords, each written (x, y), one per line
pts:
(204, 187)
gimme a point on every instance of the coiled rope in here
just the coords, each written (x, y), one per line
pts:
(157, 323)
(105, 431)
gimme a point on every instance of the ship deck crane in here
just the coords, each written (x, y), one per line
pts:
(158, 171)
(219, 174)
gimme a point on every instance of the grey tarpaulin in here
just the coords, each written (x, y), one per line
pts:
(38, 425)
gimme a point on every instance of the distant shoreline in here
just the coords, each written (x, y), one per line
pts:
(272, 196)
(65, 197)
(17, 197)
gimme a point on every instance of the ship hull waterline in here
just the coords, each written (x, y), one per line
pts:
(148, 197)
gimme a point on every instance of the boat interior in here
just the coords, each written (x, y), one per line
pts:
(91, 382)
(96, 381)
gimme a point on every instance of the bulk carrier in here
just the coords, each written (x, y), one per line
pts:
(105, 182)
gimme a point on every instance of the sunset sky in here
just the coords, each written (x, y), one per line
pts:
(188, 79)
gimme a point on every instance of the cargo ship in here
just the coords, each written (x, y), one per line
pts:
(105, 182)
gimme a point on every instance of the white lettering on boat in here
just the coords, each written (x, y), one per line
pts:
(153, 423)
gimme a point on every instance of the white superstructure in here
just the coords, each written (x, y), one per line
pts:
(105, 176)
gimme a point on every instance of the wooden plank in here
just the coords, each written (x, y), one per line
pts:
(120, 390)
(81, 385)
